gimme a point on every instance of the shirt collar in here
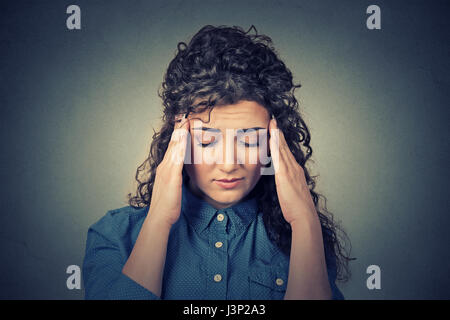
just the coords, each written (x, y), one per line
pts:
(199, 213)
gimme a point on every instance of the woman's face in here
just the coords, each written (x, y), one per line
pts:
(220, 151)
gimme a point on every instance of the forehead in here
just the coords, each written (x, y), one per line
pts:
(244, 114)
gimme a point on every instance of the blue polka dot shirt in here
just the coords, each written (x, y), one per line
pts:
(211, 254)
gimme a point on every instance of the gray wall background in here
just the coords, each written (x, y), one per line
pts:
(78, 108)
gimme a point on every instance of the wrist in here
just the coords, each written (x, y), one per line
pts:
(310, 222)
(158, 222)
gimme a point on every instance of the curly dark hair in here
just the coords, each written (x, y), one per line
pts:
(224, 65)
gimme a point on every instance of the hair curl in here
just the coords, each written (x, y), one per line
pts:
(224, 65)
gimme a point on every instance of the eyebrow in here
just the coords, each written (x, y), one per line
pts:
(217, 130)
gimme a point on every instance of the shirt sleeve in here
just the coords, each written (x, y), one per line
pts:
(103, 262)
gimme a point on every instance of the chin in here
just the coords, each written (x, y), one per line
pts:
(227, 197)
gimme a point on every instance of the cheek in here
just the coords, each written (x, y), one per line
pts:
(251, 157)
(253, 171)
(198, 172)
(253, 175)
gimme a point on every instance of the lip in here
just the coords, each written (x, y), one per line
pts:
(229, 183)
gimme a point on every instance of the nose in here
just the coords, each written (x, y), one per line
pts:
(230, 161)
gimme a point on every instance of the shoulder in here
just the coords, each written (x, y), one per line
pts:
(120, 221)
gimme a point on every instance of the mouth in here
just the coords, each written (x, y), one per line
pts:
(230, 180)
(229, 183)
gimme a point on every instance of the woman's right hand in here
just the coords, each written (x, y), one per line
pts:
(165, 205)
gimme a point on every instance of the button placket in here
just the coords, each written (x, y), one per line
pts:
(220, 219)
(218, 258)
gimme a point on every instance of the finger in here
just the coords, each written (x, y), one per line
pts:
(184, 141)
(274, 145)
(174, 138)
(184, 123)
(178, 118)
(180, 129)
(178, 123)
(177, 147)
(285, 152)
(183, 130)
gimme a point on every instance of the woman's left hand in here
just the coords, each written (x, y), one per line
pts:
(293, 193)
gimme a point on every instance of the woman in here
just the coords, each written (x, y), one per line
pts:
(206, 222)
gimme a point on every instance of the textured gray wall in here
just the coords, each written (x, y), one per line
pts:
(78, 108)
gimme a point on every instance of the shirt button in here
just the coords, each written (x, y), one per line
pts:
(220, 217)
(217, 278)
(279, 282)
(218, 244)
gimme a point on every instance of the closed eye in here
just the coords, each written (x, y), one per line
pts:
(205, 140)
(241, 142)
(247, 145)
(249, 141)
(205, 145)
